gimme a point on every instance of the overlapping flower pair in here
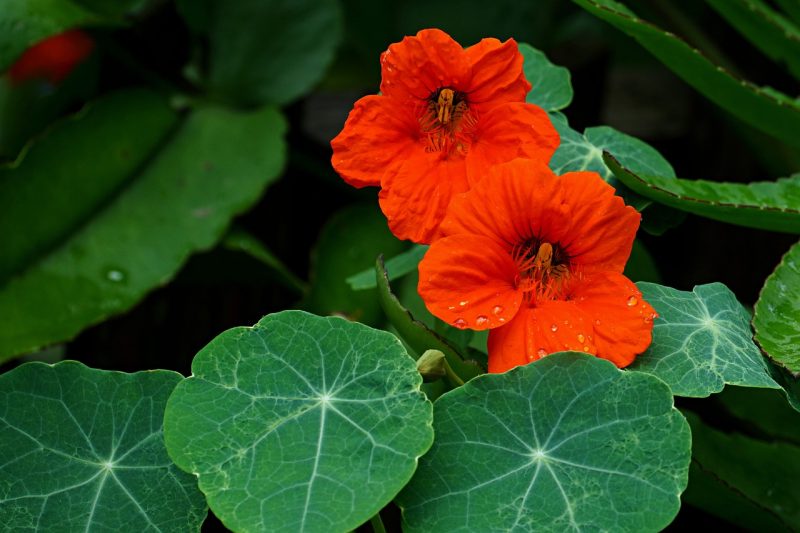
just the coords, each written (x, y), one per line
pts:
(461, 160)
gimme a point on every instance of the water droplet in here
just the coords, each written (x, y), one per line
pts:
(463, 303)
(585, 348)
(632, 301)
(497, 309)
(451, 307)
(115, 275)
(460, 323)
(481, 320)
(554, 327)
(581, 338)
(501, 319)
(649, 318)
(597, 322)
(541, 352)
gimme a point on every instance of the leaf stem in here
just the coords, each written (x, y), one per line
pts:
(377, 523)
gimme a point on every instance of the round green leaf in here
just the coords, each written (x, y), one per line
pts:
(777, 313)
(266, 51)
(566, 443)
(701, 341)
(300, 423)
(153, 208)
(83, 450)
(550, 84)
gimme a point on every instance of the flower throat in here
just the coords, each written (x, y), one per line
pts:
(447, 123)
(543, 269)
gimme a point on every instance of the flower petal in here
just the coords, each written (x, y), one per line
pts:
(535, 332)
(603, 226)
(468, 281)
(510, 131)
(416, 67)
(621, 320)
(516, 201)
(496, 72)
(378, 136)
(415, 198)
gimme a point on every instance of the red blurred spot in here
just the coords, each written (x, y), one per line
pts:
(53, 58)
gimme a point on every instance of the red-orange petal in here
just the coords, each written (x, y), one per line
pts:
(378, 136)
(497, 75)
(510, 131)
(603, 227)
(416, 67)
(621, 320)
(415, 198)
(516, 201)
(536, 332)
(468, 281)
(52, 58)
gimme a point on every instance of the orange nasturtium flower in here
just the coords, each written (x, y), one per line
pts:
(445, 115)
(538, 259)
(52, 58)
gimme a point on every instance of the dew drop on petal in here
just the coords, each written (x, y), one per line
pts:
(541, 352)
(632, 301)
(451, 307)
(585, 348)
(581, 338)
(497, 309)
(501, 319)
(554, 327)
(481, 320)
(460, 323)
(463, 303)
(597, 322)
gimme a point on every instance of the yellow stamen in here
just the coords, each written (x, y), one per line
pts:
(444, 105)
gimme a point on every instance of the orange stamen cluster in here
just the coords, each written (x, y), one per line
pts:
(543, 270)
(447, 123)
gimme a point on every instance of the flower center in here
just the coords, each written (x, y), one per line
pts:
(543, 270)
(447, 123)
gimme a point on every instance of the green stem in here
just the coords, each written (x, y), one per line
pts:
(453, 379)
(377, 523)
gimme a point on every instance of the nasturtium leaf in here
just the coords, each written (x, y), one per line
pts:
(585, 152)
(300, 423)
(777, 313)
(769, 205)
(265, 51)
(51, 190)
(791, 8)
(568, 442)
(767, 110)
(419, 336)
(397, 267)
(764, 409)
(550, 84)
(777, 37)
(23, 23)
(179, 200)
(83, 450)
(765, 473)
(701, 341)
(352, 238)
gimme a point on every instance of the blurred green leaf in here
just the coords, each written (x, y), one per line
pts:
(351, 239)
(83, 450)
(767, 110)
(585, 152)
(551, 88)
(397, 267)
(300, 423)
(265, 51)
(641, 266)
(765, 410)
(777, 312)
(568, 442)
(701, 341)
(415, 333)
(178, 200)
(24, 23)
(241, 241)
(791, 8)
(764, 474)
(116, 9)
(63, 179)
(769, 205)
(777, 37)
